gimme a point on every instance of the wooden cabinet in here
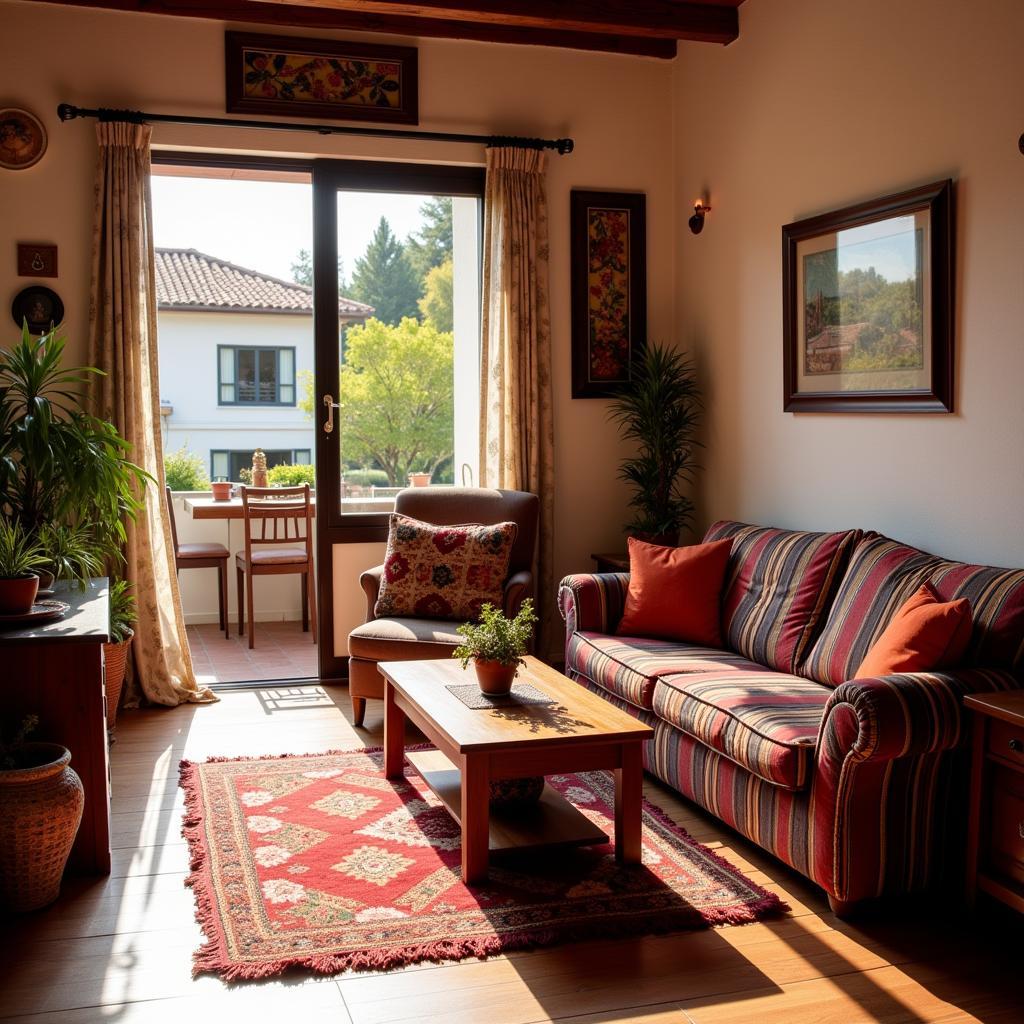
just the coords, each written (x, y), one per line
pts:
(611, 561)
(55, 670)
(995, 847)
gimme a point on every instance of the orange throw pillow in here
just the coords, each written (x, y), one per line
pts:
(676, 593)
(926, 634)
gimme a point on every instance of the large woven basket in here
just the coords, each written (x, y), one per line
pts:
(115, 657)
(40, 811)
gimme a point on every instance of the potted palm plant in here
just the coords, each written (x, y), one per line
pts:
(115, 653)
(20, 556)
(659, 412)
(71, 554)
(496, 646)
(41, 801)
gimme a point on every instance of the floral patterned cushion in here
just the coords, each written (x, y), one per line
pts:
(443, 572)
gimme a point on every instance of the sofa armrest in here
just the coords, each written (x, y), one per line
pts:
(518, 587)
(904, 715)
(888, 802)
(370, 582)
(593, 601)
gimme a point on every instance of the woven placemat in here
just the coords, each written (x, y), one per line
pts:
(522, 695)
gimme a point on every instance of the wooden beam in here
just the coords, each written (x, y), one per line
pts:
(289, 15)
(655, 19)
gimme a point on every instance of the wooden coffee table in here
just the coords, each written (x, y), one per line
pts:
(578, 732)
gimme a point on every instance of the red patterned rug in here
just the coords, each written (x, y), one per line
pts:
(320, 862)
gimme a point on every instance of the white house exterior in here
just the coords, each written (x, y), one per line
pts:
(233, 346)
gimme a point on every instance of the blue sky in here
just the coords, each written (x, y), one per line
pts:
(263, 224)
(888, 246)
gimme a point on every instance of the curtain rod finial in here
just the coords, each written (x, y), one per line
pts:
(66, 111)
(565, 146)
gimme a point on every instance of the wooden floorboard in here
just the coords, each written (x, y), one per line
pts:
(119, 948)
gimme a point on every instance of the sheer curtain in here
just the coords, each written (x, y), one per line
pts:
(122, 343)
(517, 435)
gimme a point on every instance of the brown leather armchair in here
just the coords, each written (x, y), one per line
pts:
(403, 639)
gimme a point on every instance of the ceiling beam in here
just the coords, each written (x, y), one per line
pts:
(656, 19)
(286, 15)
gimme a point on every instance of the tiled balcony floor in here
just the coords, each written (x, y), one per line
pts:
(282, 651)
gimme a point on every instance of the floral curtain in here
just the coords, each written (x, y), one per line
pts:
(517, 435)
(122, 343)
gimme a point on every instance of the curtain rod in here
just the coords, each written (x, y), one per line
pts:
(68, 112)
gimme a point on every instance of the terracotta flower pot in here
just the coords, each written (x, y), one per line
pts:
(494, 677)
(115, 657)
(419, 479)
(40, 811)
(221, 490)
(18, 595)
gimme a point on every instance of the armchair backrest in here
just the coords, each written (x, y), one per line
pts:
(451, 506)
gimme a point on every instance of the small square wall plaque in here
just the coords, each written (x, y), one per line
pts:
(37, 260)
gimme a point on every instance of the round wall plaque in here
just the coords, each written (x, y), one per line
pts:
(40, 306)
(22, 139)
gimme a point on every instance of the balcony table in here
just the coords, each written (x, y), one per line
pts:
(207, 508)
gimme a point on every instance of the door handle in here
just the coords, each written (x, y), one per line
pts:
(331, 405)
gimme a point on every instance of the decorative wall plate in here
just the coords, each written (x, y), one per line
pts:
(40, 306)
(22, 139)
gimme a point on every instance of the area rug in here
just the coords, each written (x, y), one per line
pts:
(320, 862)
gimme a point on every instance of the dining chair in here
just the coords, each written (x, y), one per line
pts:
(276, 518)
(202, 556)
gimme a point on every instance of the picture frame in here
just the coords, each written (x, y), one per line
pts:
(328, 79)
(608, 252)
(38, 306)
(37, 260)
(868, 306)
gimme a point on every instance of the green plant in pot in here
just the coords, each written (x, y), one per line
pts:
(60, 466)
(20, 556)
(115, 653)
(496, 646)
(659, 412)
(71, 555)
(41, 797)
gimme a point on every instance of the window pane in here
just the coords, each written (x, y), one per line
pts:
(302, 457)
(227, 392)
(246, 375)
(268, 375)
(227, 366)
(287, 394)
(287, 366)
(219, 465)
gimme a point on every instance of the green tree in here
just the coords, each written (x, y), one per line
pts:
(302, 271)
(384, 278)
(185, 471)
(436, 304)
(396, 397)
(432, 244)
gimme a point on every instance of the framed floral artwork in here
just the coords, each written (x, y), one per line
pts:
(609, 289)
(321, 78)
(868, 306)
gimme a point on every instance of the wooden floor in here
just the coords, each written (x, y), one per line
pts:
(119, 949)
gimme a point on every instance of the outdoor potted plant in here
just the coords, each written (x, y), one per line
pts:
(496, 646)
(659, 411)
(115, 653)
(20, 556)
(41, 801)
(419, 479)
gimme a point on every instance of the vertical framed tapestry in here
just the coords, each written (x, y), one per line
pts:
(321, 78)
(609, 289)
(868, 306)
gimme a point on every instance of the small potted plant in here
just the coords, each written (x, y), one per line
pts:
(115, 653)
(20, 555)
(41, 801)
(71, 555)
(421, 479)
(496, 646)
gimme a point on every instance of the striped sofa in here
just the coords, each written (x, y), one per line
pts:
(859, 784)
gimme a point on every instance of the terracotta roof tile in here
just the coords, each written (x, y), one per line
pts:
(187, 279)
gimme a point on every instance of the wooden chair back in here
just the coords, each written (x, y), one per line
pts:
(279, 516)
(174, 524)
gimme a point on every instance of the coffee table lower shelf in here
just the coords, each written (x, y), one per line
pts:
(551, 821)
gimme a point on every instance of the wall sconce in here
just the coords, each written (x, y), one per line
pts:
(696, 222)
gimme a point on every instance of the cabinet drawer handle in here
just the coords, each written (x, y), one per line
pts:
(1016, 746)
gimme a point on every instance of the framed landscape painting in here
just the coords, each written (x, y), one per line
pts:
(609, 289)
(321, 78)
(867, 303)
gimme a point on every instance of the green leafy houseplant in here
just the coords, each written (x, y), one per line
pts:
(115, 653)
(58, 464)
(496, 643)
(20, 556)
(70, 553)
(291, 476)
(659, 412)
(122, 612)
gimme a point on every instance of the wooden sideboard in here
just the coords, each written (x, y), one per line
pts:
(55, 670)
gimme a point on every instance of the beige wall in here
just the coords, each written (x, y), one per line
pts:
(819, 105)
(618, 109)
